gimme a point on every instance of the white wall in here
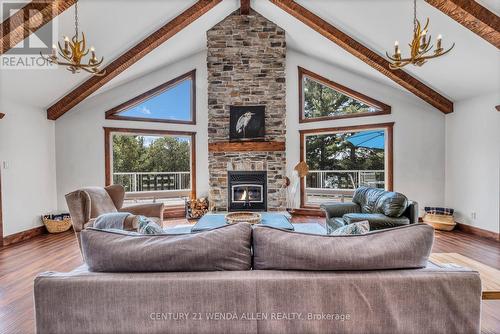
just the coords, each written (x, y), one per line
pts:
(29, 182)
(419, 129)
(80, 134)
(473, 161)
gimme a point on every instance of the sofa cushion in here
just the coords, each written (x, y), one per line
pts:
(392, 204)
(224, 248)
(367, 197)
(402, 247)
(377, 220)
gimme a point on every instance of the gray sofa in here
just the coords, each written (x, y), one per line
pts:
(173, 284)
(382, 209)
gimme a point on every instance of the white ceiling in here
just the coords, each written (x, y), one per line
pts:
(114, 26)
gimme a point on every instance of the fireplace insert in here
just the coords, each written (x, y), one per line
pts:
(247, 190)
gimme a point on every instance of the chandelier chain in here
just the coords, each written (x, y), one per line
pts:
(76, 19)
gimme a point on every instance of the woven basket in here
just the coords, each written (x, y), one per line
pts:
(57, 226)
(440, 222)
(247, 217)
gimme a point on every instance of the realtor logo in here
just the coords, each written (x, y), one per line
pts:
(38, 26)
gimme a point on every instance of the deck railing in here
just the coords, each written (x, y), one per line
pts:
(153, 182)
(343, 180)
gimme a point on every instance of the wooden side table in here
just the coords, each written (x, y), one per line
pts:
(490, 277)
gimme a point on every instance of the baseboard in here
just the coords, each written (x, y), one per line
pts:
(478, 231)
(24, 235)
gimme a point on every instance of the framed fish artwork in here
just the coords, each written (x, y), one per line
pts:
(247, 123)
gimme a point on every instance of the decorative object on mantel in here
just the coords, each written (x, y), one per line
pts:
(439, 218)
(57, 223)
(196, 208)
(419, 47)
(74, 51)
(291, 184)
(243, 217)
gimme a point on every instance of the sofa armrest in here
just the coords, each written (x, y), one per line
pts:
(411, 212)
(333, 210)
(148, 210)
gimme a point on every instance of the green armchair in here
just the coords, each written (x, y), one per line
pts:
(382, 209)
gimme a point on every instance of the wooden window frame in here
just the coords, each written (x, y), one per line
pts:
(114, 112)
(389, 159)
(384, 109)
(108, 132)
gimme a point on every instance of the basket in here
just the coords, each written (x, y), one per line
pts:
(57, 226)
(440, 222)
(247, 217)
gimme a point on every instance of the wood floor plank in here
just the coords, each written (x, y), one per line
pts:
(19, 264)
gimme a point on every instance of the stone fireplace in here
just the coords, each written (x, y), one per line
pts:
(246, 68)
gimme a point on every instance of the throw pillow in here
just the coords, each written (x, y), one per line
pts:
(361, 227)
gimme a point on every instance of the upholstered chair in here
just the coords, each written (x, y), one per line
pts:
(86, 204)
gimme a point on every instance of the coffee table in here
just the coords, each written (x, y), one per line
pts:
(490, 277)
(214, 220)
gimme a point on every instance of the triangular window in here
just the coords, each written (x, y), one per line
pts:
(171, 102)
(323, 99)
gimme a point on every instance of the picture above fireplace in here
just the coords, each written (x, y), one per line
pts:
(247, 122)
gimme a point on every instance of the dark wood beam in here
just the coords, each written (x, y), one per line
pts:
(244, 7)
(1, 115)
(473, 16)
(28, 20)
(247, 146)
(497, 108)
(130, 57)
(368, 56)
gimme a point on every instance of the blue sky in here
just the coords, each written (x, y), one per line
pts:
(174, 104)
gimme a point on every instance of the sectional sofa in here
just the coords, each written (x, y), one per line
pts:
(244, 279)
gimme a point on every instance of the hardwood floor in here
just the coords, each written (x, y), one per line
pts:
(19, 263)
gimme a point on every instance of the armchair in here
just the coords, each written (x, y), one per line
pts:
(382, 209)
(88, 203)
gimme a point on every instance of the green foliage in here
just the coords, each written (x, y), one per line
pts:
(163, 154)
(335, 152)
(321, 100)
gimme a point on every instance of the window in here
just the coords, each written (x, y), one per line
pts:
(151, 164)
(342, 159)
(322, 99)
(172, 102)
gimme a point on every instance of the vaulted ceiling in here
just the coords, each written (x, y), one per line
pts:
(115, 26)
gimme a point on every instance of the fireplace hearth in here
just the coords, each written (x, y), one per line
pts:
(247, 190)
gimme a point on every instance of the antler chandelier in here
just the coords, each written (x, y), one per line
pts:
(74, 51)
(419, 47)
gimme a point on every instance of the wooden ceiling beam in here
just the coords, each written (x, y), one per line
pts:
(1, 115)
(130, 57)
(473, 16)
(29, 19)
(244, 7)
(368, 56)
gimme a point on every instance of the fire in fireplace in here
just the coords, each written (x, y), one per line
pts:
(247, 190)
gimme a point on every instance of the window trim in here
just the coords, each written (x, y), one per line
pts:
(108, 132)
(113, 113)
(389, 159)
(384, 109)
